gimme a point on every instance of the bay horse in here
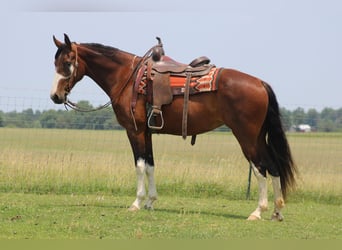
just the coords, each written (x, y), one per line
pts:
(244, 103)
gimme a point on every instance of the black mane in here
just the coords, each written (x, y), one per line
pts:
(105, 50)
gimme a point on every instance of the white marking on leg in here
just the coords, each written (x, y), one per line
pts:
(152, 190)
(278, 199)
(263, 202)
(141, 191)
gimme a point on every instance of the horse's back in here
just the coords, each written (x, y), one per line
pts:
(231, 78)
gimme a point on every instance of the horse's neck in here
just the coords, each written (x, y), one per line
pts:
(108, 73)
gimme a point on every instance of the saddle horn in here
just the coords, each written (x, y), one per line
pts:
(159, 40)
(158, 51)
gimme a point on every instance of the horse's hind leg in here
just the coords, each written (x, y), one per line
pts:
(270, 166)
(278, 199)
(262, 185)
(266, 165)
(260, 174)
(253, 154)
(253, 147)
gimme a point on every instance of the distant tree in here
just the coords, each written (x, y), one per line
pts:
(298, 116)
(286, 118)
(1, 119)
(328, 114)
(13, 119)
(99, 120)
(312, 118)
(48, 119)
(328, 120)
(326, 126)
(27, 118)
(338, 120)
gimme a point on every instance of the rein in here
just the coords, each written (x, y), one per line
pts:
(75, 107)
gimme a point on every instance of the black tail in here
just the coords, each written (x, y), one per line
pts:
(277, 144)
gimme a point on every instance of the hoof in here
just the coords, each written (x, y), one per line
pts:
(253, 217)
(149, 203)
(277, 217)
(147, 207)
(133, 208)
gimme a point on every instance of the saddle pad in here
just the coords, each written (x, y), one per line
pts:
(198, 84)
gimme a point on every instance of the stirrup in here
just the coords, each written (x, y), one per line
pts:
(152, 126)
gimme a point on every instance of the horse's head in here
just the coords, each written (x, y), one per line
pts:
(67, 70)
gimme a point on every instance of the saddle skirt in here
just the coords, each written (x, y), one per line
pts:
(198, 84)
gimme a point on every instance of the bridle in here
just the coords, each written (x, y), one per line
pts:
(72, 76)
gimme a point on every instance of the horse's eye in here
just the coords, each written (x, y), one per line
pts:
(67, 67)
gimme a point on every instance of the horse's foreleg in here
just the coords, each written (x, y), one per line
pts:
(141, 191)
(152, 191)
(143, 155)
(263, 202)
(278, 199)
(143, 168)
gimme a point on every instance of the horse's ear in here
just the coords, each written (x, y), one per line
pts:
(57, 42)
(67, 41)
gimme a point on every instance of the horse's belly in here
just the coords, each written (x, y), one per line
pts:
(202, 115)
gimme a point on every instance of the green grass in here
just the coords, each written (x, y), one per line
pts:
(106, 217)
(60, 184)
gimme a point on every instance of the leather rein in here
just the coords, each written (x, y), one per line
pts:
(73, 75)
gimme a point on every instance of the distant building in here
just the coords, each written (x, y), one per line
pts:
(303, 128)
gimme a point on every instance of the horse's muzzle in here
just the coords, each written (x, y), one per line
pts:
(56, 99)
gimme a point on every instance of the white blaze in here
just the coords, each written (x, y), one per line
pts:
(59, 77)
(56, 80)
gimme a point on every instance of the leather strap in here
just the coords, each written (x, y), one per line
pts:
(136, 87)
(185, 106)
(193, 140)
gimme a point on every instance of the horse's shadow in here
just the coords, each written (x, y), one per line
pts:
(208, 213)
(175, 211)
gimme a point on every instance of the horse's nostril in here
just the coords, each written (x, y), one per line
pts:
(56, 99)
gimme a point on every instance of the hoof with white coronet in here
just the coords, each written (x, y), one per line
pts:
(133, 208)
(253, 217)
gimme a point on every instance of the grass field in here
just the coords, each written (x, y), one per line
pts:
(77, 184)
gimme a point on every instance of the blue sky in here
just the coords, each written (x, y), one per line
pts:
(296, 46)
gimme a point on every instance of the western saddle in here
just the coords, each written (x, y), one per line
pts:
(156, 69)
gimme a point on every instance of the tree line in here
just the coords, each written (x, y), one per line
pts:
(327, 120)
(103, 119)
